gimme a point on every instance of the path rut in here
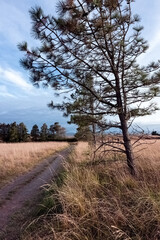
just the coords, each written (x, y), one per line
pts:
(14, 195)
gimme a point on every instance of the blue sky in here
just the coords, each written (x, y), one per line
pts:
(19, 100)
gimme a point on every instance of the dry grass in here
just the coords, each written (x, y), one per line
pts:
(103, 201)
(17, 158)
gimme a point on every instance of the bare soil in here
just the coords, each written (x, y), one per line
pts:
(15, 195)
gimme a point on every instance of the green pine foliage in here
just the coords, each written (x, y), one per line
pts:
(98, 40)
(19, 133)
(35, 134)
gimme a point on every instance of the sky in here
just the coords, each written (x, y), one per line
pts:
(20, 101)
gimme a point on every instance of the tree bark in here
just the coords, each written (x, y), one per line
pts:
(94, 134)
(127, 145)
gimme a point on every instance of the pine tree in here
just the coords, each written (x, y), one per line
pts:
(51, 132)
(44, 132)
(102, 39)
(35, 134)
(22, 132)
(83, 111)
(13, 133)
(84, 134)
(60, 132)
(4, 132)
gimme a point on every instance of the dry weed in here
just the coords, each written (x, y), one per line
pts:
(103, 201)
(17, 158)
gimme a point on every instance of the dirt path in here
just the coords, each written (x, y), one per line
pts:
(14, 195)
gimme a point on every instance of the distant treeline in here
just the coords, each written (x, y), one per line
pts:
(155, 133)
(19, 133)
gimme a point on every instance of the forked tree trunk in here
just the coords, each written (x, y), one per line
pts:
(127, 145)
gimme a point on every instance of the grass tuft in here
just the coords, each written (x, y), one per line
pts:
(103, 201)
(18, 158)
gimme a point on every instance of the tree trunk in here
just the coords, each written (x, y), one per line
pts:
(94, 134)
(127, 145)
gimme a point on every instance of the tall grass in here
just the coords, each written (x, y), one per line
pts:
(17, 158)
(103, 202)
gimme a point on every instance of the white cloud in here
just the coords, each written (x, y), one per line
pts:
(4, 93)
(14, 85)
(14, 77)
(150, 119)
(154, 44)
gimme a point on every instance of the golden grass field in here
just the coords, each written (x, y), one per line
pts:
(18, 158)
(99, 202)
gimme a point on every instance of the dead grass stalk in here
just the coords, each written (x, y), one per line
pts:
(17, 158)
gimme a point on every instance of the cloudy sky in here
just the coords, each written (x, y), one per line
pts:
(19, 100)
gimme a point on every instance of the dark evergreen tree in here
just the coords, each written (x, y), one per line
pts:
(51, 132)
(84, 133)
(60, 132)
(13, 133)
(44, 132)
(35, 134)
(83, 113)
(22, 132)
(4, 132)
(155, 133)
(102, 39)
